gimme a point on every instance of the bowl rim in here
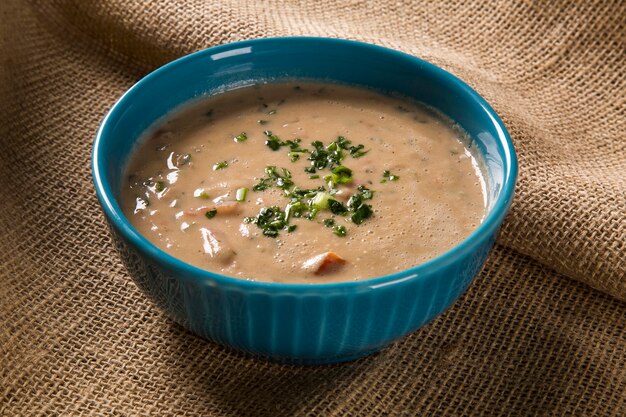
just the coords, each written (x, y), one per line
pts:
(118, 220)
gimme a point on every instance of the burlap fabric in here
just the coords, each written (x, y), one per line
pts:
(77, 337)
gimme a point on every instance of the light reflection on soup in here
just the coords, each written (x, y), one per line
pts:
(305, 183)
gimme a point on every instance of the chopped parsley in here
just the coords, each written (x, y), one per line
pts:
(274, 178)
(307, 203)
(330, 156)
(340, 230)
(365, 192)
(274, 143)
(322, 157)
(211, 213)
(357, 151)
(388, 176)
(356, 200)
(220, 165)
(336, 207)
(262, 122)
(242, 137)
(339, 175)
(296, 209)
(270, 220)
(361, 213)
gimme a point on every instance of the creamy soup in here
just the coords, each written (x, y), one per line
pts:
(305, 183)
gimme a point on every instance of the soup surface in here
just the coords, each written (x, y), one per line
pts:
(306, 183)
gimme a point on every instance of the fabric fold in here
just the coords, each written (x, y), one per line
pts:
(77, 337)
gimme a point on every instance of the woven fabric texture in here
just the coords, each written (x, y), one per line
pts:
(542, 331)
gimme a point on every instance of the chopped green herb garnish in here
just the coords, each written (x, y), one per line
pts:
(355, 201)
(211, 213)
(340, 230)
(270, 171)
(291, 228)
(366, 193)
(242, 137)
(283, 182)
(312, 213)
(294, 145)
(240, 194)
(339, 175)
(388, 176)
(357, 151)
(322, 157)
(297, 193)
(262, 185)
(295, 209)
(364, 211)
(271, 220)
(272, 141)
(336, 207)
(271, 112)
(307, 203)
(274, 178)
(220, 165)
(159, 186)
(262, 122)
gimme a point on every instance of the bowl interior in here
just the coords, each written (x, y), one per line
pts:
(240, 64)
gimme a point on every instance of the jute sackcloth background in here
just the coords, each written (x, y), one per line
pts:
(542, 331)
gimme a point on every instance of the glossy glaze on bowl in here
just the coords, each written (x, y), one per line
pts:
(301, 323)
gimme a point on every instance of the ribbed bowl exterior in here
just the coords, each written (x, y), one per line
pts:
(307, 325)
(303, 324)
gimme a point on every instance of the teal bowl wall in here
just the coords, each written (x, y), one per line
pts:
(296, 323)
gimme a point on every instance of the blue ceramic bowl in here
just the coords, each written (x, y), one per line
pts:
(298, 323)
